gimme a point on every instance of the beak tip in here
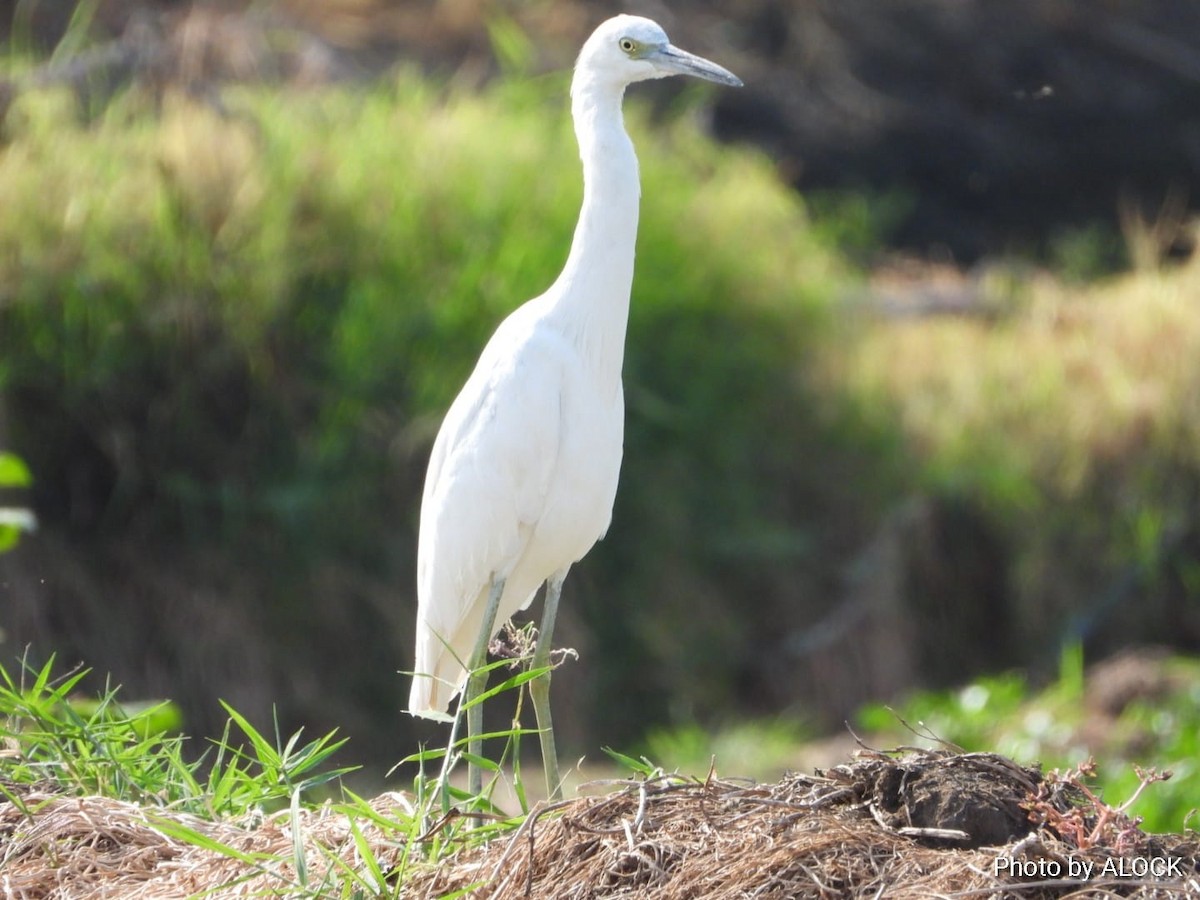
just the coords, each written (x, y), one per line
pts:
(683, 63)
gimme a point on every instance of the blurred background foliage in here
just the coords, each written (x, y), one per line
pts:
(237, 296)
(1135, 710)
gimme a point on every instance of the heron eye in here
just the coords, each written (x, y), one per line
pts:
(628, 45)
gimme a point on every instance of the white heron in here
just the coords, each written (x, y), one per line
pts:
(524, 469)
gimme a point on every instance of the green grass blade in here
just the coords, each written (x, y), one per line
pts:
(641, 766)
(514, 682)
(176, 829)
(299, 858)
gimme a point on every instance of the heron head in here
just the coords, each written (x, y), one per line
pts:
(626, 49)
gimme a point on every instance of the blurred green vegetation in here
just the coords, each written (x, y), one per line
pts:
(14, 519)
(762, 748)
(1071, 421)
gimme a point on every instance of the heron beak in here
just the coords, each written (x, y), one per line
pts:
(673, 61)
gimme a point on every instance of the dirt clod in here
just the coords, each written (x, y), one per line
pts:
(978, 795)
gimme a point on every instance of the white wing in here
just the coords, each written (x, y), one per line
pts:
(487, 483)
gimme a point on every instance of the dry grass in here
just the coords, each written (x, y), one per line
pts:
(918, 826)
(88, 848)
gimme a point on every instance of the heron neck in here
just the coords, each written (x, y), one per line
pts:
(591, 296)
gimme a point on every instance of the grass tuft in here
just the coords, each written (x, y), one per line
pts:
(57, 743)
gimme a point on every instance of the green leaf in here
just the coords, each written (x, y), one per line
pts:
(492, 735)
(299, 858)
(482, 761)
(176, 829)
(641, 766)
(516, 681)
(265, 751)
(8, 537)
(13, 472)
(378, 881)
(423, 756)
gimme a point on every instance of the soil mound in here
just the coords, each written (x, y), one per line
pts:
(924, 824)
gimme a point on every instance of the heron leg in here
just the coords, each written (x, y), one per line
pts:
(539, 688)
(476, 682)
